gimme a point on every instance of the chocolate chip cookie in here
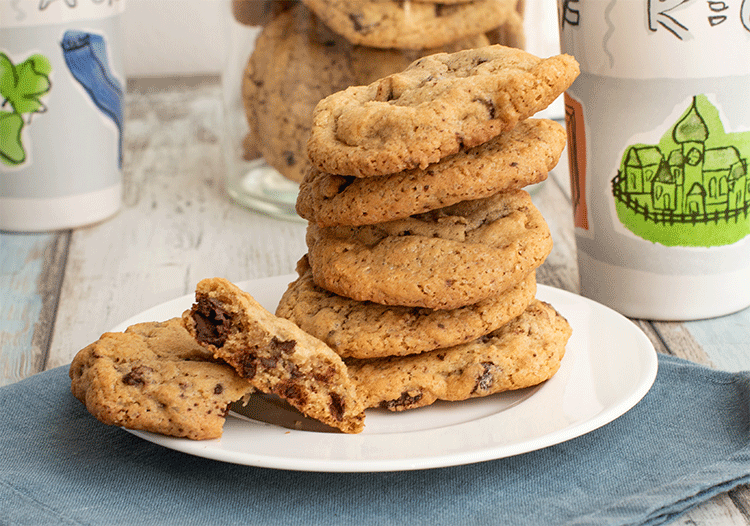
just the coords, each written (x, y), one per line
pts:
(435, 107)
(409, 25)
(273, 354)
(296, 62)
(522, 353)
(155, 377)
(368, 330)
(443, 259)
(512, 160)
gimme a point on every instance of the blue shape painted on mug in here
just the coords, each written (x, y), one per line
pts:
(86, 57)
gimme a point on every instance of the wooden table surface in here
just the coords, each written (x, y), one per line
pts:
(60, 291)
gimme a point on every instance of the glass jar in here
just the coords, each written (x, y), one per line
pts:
(285, 56)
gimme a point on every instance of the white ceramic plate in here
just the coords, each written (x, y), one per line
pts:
(609, 365)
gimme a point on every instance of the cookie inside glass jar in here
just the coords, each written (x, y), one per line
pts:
(301, 52)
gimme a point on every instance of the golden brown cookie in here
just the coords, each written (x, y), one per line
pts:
(432, 109)
(409, 25)
(512, 160)
(522, 353)
(443, 259)
(296, 62)
(369, 330)
(154, 377)
(273, 354)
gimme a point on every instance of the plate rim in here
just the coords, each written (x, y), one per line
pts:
(207, 449)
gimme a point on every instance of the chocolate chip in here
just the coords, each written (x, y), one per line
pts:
(212, 323)
(324, 375)
(269, 363)
(491, 110)
(404, 401)
(246, 366)
(291, 392)
(336, 407)
(293, 370)
(137, 376)
(218, 389)
(284, 347)
(486, 378)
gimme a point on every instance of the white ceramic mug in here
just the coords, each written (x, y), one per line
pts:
(659, 141)
(61, 119)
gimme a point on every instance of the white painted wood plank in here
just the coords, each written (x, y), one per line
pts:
(680, 342)
(726, 340)
(177, 225)
(30, 269)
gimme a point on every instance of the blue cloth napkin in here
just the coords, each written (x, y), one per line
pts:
(686, 441)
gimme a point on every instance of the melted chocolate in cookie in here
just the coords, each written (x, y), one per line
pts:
(212, 323)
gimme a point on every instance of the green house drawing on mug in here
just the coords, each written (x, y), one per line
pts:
(690, 189)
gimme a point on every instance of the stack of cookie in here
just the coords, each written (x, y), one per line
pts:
(309, 50)
(422, 243)
(419, 283)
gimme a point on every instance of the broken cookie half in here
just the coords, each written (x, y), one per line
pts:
(273, 354)
(154, 377)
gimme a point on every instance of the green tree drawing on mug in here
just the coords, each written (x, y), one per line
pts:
(22, 87)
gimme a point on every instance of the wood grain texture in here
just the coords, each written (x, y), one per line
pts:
(741, 499)
(31, 268)
(726, 339)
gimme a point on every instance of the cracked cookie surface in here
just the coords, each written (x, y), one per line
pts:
(367, 330)
(273, 354)
(155, 377)
(435, 107)
(443, 259)
(512, 160)
(522, 353)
